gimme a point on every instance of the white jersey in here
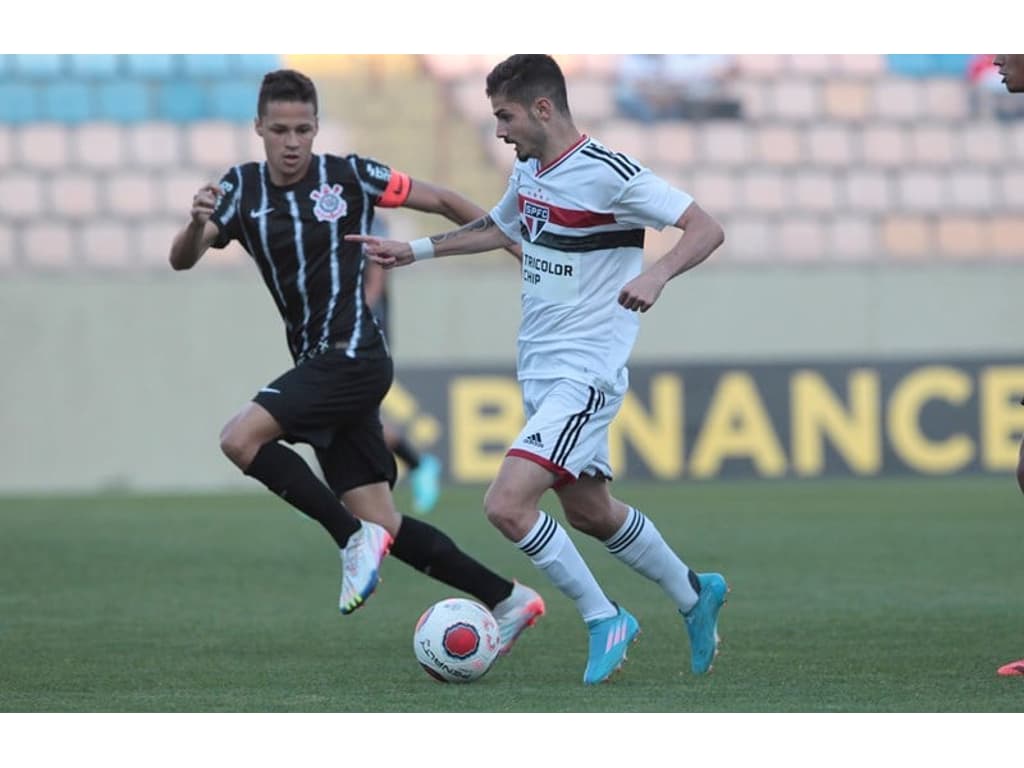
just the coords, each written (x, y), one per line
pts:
(581, 223)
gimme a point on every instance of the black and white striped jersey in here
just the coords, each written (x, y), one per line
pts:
(581, 223)
(296, 236)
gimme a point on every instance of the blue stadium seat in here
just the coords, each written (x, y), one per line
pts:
(67, 102)
(153, 65)
(181, 101)
(18, 103)
(211, 65)
(124, 101)
(953, 64)
(234, 99)
(257, 64)
(93, 65)
(5, 59)
(38, 64)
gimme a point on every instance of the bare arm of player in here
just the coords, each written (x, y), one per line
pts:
(431, 198)
(476, 237)
(701, 236)
(198, 235)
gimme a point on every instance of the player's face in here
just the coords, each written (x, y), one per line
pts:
(518, 126)
(287, 130)
(1011, 67)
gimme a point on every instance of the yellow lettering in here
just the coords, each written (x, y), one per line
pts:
(816, 413)
(737, 426)
(904, 423)
(486, 414)
(656, 436)
(1002, 416)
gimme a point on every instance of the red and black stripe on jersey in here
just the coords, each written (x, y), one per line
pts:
(296, 236)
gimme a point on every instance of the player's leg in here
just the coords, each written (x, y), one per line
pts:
(250, 441)
(360, 468)
(512, 506)
(1020, 467)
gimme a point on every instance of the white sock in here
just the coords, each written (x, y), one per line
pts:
(639, 544)
(550, 549)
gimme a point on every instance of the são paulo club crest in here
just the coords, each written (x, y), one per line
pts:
(330, 205)
(535, 216)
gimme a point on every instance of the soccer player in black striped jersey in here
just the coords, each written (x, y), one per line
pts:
(579, 210)
(291, 213)
(1011, 68)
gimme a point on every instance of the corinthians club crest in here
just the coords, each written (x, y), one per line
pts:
(535, 216)
(330, 205)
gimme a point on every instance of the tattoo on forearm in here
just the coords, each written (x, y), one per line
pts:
(474, 226)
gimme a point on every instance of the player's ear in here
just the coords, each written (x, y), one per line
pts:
(542, 108)
(257, 124)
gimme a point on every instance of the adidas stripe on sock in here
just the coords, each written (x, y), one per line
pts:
(550, 549)
(639, 544)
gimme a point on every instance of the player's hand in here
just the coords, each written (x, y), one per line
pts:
(388, 253)
(640, 293)
(204, 203)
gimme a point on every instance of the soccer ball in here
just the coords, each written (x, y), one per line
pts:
(456, 640)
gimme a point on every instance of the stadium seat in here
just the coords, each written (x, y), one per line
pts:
(234, 99)
(44, 146)
(124, 101)
(48, 244)
(181, 101)
(153, 65)
(19, 103)
(67, 102)
(910, 64)
(256, 64)
(106, 244)
(74, 195)
(208, 65)
(94, 65)
(37, 65)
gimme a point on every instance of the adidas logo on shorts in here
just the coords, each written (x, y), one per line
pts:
(534, 440)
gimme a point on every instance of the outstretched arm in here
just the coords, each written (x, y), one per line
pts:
(431, 198)
(701, 236)
(475, 237)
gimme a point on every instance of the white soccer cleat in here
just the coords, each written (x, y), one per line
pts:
(361, 565)
(515, 613)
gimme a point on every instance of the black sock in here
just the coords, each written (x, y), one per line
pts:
(407, 453)
(287, 474)
(429, 550)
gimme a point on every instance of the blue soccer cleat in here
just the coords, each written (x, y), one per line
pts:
(426, 484)
(609, 641)
(702, 622)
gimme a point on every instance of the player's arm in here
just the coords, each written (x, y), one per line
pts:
(477, 236)
(200, 233)
(431, 198)
(701, 236)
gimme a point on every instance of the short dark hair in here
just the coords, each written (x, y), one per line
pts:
(286, 85)
(525, 77)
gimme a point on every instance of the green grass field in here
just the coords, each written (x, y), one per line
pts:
(846, 596)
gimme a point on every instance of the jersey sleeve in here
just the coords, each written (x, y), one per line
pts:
(226, 214)
(506, 213)
(387, 187)
(647, 200)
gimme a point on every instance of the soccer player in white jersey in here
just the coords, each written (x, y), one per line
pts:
(579, 211)
(1011, 68)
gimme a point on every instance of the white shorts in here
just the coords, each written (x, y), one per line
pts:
(566, 428)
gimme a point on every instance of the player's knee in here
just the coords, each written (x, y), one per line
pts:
(585, 520)
(238, 450)
(503, 510)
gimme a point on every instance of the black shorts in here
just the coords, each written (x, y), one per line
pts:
(332, 402)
